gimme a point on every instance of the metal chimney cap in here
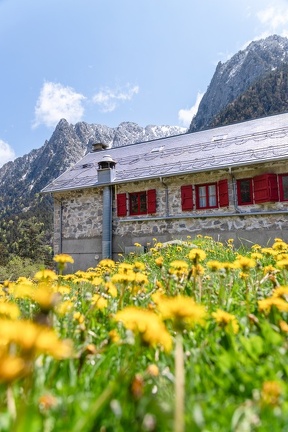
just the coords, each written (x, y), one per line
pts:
(107, 158)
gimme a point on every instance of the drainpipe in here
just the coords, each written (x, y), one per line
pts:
(166, 196)
(106, 175)
(61, 227)
(60, 224)
(234, 192)
(107, 223)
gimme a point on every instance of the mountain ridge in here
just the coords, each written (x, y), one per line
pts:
(236, 75)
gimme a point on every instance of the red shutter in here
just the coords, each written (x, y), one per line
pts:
(121, 204)
(223, 193)
(265, 188)
(151, 201)
(187, 197)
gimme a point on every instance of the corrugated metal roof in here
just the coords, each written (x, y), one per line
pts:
(250, 142)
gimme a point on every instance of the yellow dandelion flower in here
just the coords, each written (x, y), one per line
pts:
(77, 316)
(11, 368)
(64, 307)
(159, 261)
(182, 311)
(9, 310)
(97, 281)
(114, 336)
(268, 251)
(270, 269)
(178, 268)
(281, 256)
(137, 245)
(270, 393)
(45, 297)
(281, 291)
(62, 289)
(283, 326)
(140, 279)
(111, 289)
(45, 274)
(63, 258)
(256, 256)
(99, 302)
(197, 270)
(34, 338)
(125, 268)
(179, 265)
(282, 264)
(243, 275)
(24, 280)
(153, 370)
(226, 320)
(265, 305)
(138, 266)
(107, 263)
(245, 263)
(280, 245)
(214, 265)
(147, 324)
(256, 247)
(197, 255)
(123, 278)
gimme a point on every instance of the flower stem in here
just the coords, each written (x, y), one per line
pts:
(179, 425)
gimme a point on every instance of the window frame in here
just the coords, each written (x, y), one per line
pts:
(239, 196)
(207, 196)
(139, 196)
(281, 187)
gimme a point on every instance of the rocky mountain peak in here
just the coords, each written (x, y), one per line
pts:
(233, 77)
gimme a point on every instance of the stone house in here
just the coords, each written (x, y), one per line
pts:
(227, 182)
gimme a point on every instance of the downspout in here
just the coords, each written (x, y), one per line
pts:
(61, 227)
(107, 223)
(60, 224)
(234, 192)
(166, 196)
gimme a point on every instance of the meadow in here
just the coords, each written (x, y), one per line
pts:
(190, 336)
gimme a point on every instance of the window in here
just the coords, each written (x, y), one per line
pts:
(210, 195)
(206, 196)
(259, 189)
(283, 187)
(139, 203)
(244, 191)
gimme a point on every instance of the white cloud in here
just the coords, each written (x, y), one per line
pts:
(6, 153)
(275, 17)
(108, 98)
(56, 102)
(185, 115)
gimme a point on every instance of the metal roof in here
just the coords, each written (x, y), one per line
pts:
(255, 141)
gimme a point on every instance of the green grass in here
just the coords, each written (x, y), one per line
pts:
(118, 376)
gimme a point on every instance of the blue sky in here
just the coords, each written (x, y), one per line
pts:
(109, 61)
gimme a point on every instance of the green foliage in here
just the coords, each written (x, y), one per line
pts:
(18, 266)
(235, 377)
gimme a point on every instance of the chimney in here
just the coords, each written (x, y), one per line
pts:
(98, 146)
(106, 169)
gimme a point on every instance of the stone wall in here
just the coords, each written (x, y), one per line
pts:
(78, 216)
